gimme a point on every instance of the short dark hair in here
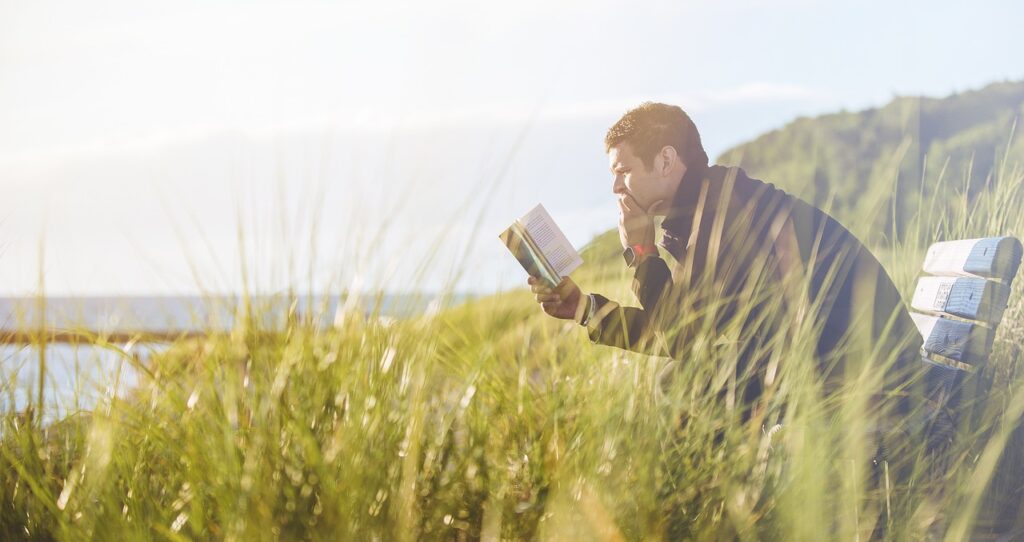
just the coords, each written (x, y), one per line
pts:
(651, 126)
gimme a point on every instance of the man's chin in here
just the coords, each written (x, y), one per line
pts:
(658, 208)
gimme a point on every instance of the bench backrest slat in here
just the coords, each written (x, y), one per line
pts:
(966, 297)
(965, 342)
(990, 258)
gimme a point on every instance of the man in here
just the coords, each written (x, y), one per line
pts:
(752, 265)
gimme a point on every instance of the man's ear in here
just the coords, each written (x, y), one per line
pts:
(668, 159)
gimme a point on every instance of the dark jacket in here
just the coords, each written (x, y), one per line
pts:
(751, 263)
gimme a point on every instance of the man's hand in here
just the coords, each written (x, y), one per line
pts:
(636, 224)
(564, 301)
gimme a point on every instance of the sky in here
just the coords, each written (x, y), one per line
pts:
(183, 147)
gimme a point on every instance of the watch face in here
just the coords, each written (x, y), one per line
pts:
(629, 256)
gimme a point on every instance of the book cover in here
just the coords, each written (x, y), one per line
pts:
(541, 248)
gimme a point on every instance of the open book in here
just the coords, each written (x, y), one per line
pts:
(541, 247)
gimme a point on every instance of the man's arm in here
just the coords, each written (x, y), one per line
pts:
(651, 281)
(632, 328)
(607, 322)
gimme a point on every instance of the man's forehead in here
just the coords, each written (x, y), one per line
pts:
(620, 155)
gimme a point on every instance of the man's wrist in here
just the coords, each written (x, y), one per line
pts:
(637, 253)
(588, 309)
(640, 260)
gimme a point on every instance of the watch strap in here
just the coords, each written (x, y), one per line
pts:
(644, 250)
(588, 312)
(635, 253)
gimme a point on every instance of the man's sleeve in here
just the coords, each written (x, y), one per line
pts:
(632, 328)
(651, 282)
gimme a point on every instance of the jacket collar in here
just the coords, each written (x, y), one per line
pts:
(684, 202)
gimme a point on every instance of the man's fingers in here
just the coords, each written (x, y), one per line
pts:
(629, 205)
(552, 300)
(624, 207)
(551, 308)
(565, 287)
(655, 207)
(545, 298)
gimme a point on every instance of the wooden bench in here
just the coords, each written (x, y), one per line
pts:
(961, 303)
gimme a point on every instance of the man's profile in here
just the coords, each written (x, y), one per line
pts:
(759, 260)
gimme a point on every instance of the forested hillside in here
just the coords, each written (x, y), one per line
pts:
(855, 163)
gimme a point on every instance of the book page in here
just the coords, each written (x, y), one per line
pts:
(550, 240)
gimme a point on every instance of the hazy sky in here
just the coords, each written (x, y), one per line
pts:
(134, 135)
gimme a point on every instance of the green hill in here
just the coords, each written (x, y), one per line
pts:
(855, 163)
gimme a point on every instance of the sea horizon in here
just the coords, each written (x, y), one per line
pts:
(140, 312)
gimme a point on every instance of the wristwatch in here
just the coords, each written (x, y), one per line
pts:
(588, 312)
(635, 253)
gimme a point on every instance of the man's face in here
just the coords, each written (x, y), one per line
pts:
(632, 177)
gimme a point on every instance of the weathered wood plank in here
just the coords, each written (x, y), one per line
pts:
(972, 298)
(961, 341)
(990, 257)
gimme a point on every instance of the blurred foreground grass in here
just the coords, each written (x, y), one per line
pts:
(491, 421)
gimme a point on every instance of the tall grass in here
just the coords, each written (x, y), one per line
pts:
(491, 421)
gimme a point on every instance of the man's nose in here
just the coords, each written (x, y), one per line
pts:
(618, 185)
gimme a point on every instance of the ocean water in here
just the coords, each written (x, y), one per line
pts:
(79, 376)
